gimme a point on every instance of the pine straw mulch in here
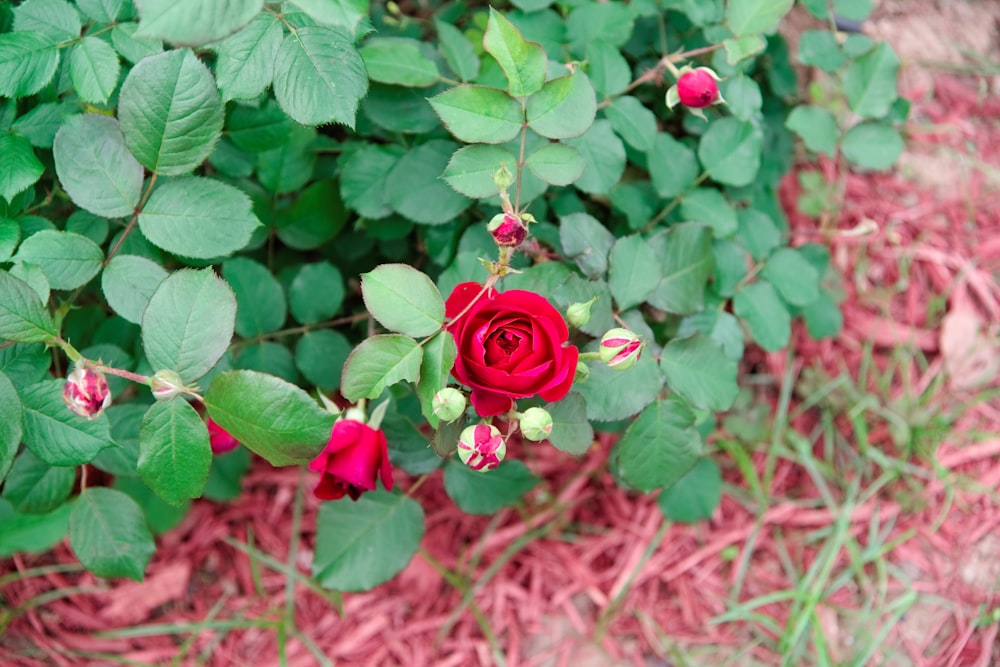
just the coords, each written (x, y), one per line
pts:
(579, 561)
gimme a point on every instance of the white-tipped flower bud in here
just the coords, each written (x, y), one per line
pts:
(449, 404)
(166, 384)
(536, 424)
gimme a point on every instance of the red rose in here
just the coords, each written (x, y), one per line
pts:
(220, 438)
(697, 89)
(510, 345)
(353, 458)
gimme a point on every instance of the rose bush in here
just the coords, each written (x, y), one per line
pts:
(353, 459)
(511, 345)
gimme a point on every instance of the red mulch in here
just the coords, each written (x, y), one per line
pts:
(544, 603)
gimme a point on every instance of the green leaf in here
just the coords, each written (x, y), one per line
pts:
(174, 452)
(741, 48)
(757, 233)
(68, 260)
(417, 191)
(731, 151)
(409, 449)
(730, 266)
(322, 77)
(25, 364)
(750, 17)
(125, 419)
(873, 145)
(316, 217)
(612, 394)
(816, 126)
(260, 301)
(170, 112)
(870, 82)
(603, 157)
(23, 317)
(56, 435)
(56, 20)
(244, 66)
(470, 170)
(360, 544)
(188, 323)
(10, 235)
(379, 362)
(794, 277)
(132, 47)
(31, 533)
(721, 327)
(760, 307)
(586, 240)
(823, 317)
(479, 114)
(659, 447)
(398, 61)
(403, 299)
(556, 164)
(10, 424)
(633, 271)
(347, 14)
(160, 516)
(94, 70)
(95, 168)
(435, 367)
(109, 535)
(35, 487)
(400, 109)
(487, 493)
(457, 50)
(633, 122)
(198, 217)
(698, 369)
(820, 48)
(128, 281)
(320, 356)
(364, 179)
(19, 168)
(687, 263)
(711, 207)
(522, 61)
(271, 417)
(33, 275)
(269, 358)
(225, 479)
(609, 72)
(571, 431)
(39, 126)
(102, 11)
(194, 22)
(609, 22)
(744, 97)
(310, 305)
(563, 108)
(694, 496)
(673, 166)
(27, 63)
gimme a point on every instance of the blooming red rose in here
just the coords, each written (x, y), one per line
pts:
(354, 457)
(510, 345)
(220, 438)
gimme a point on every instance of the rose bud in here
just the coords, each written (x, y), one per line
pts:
(578, 314)
(86, 392)
(220, 439)
(481, 447)
(165, 385)
(536, 424)
(507, 229)
(582, 372)
(695, 89)
(354, 458)
(449, 404)
(620, 349)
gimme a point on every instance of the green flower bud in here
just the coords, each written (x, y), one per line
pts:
(620, 349)
(578, 314)
(166, 384)
(448, 404)
(503, 178)
(481, 447)
(536, 424)
(582, 372)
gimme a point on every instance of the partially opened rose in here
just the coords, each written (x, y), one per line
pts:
(352, 460)
(510, 345)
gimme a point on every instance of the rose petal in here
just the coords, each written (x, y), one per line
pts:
(490, 404)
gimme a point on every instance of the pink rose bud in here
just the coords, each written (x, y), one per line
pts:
(86, 392)
(355, 457)
(695, 89)
(165, 385)
(507, 229)
(220, 439)
(620, 349)
(481, 447)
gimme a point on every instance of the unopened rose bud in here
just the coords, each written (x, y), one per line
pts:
(86, 392)
(578, 314)
(508, 230)
(582, 372)
(695, 89)
(220, 439)
(503, 178)
(165, 385)
(536, 424)
(620, 349)
(448, 404)
(481, 447)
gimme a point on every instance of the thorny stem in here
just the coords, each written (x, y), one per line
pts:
(665, 63)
